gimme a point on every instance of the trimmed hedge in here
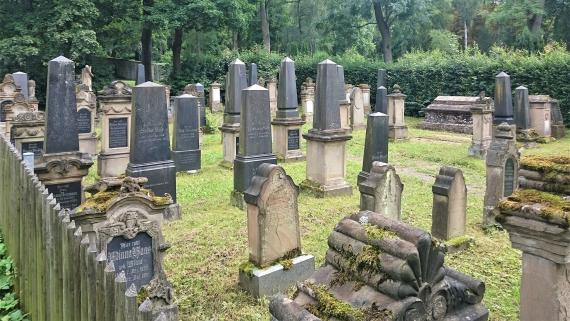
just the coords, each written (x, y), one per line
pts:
(421, 75)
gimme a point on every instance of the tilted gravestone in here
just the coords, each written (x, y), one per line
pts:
(377, 268)
(287, 122)
(381, 192)
(375, 144)
(255, 145)
(273, 234)
(186, 138)
(62, 166)
(449, 212)
(28, 130)
(150, 143)
(326, 141)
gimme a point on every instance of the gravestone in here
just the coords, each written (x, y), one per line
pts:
(357, 109)
(197, 90)
(397, 128)
(115, 104)
(186, 141)
(557, 128)
(252, 75)
(28, 130)
(140, 77)
(502, 166)
(365, 88)
(86, 78)
(215, 98)
(381, 105)
(273, 234)
(522, 108)
(449, 212)
(287, 122)
(375, 144)
(255, 140)
(381, 192)
(62, 166)
(272, 87)
(86, 110)
(482, 116)
(540, 106)
(344, 103)
(503, 100)
(9, 109)
(377, 268)
(308, 100)
(381, 80)
(21, 81)
(150, 144)
(235, 83)
(326, 141)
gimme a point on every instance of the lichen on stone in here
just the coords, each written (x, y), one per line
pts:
(551, 205)
(547, 164)
(98, 203)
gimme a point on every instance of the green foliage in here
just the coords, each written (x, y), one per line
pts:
(8, 302)
(444, 41)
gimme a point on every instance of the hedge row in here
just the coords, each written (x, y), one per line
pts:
(422, 76)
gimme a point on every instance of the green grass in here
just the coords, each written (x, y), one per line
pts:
(210, 242)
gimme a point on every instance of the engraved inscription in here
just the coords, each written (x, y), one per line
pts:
(33, 147)
(293, 139)
(133, 256)
(509, 177)
(84, 121)
(68, 195)
(118, 132)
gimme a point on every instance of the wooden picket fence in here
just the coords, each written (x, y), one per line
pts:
(60, 275)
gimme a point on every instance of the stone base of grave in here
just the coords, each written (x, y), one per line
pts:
(112, 165)
(230, 142)
(276, 279)
(557, 131)
(245, 167)
(187, 160)
(447, 127)
(477, 151)
(161, 176)
(287, 134)
(88, 145)
(236, 200)
(339, 188)
(398, 132)
(173, 212)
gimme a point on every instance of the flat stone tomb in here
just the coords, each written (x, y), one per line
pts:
(451, 113)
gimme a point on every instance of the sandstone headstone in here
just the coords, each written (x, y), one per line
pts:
(87, 77)
(86, 110)
(449, 212)
(28, 131)
(557, 128)
(396, 105)
(21, 80)
(357, 109)
(375, 144)
(381, 192)
(215, 98)
(186, 142)
(365, 88)
(308, 100)
(540, 106)
(503, 100)
(273, 96)
(150, 144)
(482, 116)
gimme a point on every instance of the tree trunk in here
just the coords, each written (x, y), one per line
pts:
(235, 42)
(384, 29)
(465, 34)
(535, 21)
(176, 51)
(146, 40)
(264, 26)
(28, 5)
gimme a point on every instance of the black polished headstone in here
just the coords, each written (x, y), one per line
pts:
(522, 108)
(252, 75)
(150, 144)
(381, 100)
(33, 147)
(118, 132)
(21, 80)
(202, 102)
(140, 75)
(381, 80)
(341, 92)
(255, 145)
(287, 102)
(293, 139)
(326, 115)
(61, 110)
(503, 100)
(68, 195)
(237, 81)
(186, 139)
(84, 121)
(134, 257)
(376, 143)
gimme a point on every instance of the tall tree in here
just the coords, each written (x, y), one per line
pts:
(265, 24)
(146, 39)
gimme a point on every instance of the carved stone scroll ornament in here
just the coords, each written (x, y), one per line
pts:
(63, 166)
(128, 224)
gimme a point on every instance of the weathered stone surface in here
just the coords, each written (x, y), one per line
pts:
(381, 192)
(399, 276)
(186, 139)
(308, 100)
(503, 99)
(357, 113)
(215, 101)
(557, 128)
(341, 84)
(396, 107)
(449, 212)
(452, 113)
(21, 80)
(141, 79)
(28, 131)
(327, 113)
(545, 173)
(197, 90)
(365, 88)
(86, 110)
(540, 106)
(482, 115)
(375, 144)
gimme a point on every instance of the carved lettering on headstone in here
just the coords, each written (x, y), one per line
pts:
(33, 147)
(118, 132)
(134, 257)
(293, 139)
(84, 121)
(68, 195)
(509, 177)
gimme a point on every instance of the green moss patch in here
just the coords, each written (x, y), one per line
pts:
(547, 164)
(374, 232)
(98, 202)
(553, 205)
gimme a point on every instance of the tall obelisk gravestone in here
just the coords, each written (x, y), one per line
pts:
(503, 103)
(287, 122)
(255, 144)
(252, 75)
(381, 105)
(186, 139)
(150, 143)
(62, 166)
(376, 143)
(235, 83)
(326, 141)
(343, 100)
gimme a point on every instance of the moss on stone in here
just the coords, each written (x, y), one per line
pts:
(247, 268)
(548, 165)
(553, 205)
(368, 259)
(161, 200)
(98, 202)
(286, 263)
(459, 241)
(374, 232)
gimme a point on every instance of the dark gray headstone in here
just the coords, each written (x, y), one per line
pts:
(293, 139)
(68, 195)
(381, 100)
(255, 145)
(236, 83)
(252, 75)
(33, 147)
(287, 102)
(381, 80)
(509, 187)
(327, 111)
(202, 101)
(118, 132)
(340, 91)
(84, 121)
(134, 257)
(186, 139)
(376, 143)
(61, 110)
(3, 111)
(503, 100)
(150, 143)
(522, 108)
(21, 80)
(140, 75)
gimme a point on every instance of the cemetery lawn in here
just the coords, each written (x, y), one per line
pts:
(210, 241)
